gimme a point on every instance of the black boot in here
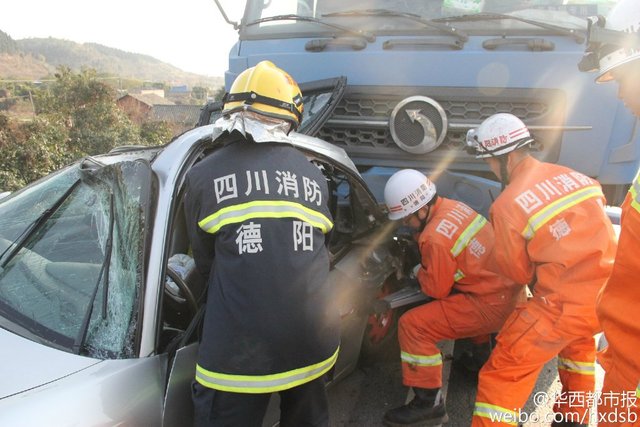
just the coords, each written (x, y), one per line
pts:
(426, 409)
(473, 359)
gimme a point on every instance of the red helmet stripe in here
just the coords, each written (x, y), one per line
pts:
(517, 132)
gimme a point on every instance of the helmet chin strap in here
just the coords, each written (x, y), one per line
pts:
(504, 175)
(423, 222)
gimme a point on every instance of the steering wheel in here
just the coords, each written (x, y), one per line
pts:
(185, 292)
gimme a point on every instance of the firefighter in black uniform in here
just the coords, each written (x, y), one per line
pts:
(257, 214)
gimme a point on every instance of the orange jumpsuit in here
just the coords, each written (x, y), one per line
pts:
(618, 305)
(454, 246)
(550, 225)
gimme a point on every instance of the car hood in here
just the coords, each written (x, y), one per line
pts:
(27, 365)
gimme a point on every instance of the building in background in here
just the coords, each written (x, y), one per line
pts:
(138, 106)
(180, 117)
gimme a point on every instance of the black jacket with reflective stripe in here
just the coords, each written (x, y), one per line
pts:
(257, 214)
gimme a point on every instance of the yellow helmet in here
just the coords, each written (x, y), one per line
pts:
(266, 89)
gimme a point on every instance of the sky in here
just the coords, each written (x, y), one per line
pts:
(189, 34)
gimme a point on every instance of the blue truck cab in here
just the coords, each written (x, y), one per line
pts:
(405, 79)
(398, 83)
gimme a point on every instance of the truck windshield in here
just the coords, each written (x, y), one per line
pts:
(388, 17)
(70, 278)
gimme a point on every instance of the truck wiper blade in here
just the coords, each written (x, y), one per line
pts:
(291, 17)
(13, 249)
(578, 36)
(411, 16)
(103, 278)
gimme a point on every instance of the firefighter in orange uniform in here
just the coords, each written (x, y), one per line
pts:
(454, 243)
(619, 300)
(551, 232)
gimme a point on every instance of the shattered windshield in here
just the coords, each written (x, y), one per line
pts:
(73, 283)
(385, 16)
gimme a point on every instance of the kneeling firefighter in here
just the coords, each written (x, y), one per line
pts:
(454, 243)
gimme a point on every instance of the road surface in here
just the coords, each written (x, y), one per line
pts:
(362, 398)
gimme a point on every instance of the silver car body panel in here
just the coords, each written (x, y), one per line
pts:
(18, 351)
(108, 393)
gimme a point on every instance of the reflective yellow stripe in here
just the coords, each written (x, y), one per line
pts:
(468, 234)
(463, 241)
(496, 413)
(542, 217)
(413, 359)
(264, 383)
(635, 192)
(584, 368)
(638, 391)
(264, 209)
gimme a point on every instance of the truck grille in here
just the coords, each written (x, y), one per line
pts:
(360, 121)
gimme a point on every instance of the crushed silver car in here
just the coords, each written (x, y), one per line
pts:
(99, 305)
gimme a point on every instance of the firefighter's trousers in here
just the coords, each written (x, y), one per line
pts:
(532, 336)
(456, 316)
(619, 400)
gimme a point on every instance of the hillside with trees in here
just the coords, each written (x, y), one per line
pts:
(58, 103)
(74, 116)
(38, 58)
(7, 44)
(16, 64)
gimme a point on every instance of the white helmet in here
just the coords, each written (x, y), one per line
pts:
(498, 135)
(407, 191)
(623, 18)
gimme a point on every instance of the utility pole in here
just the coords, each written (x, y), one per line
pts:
(33, 107)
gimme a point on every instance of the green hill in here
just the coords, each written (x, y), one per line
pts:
(38, 57)
(7, 44)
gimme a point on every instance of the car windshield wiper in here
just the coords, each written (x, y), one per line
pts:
(103, 279)
(578, 36)
(24, 237)
(291, 17)
(411, 16)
